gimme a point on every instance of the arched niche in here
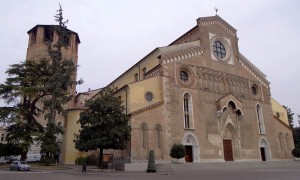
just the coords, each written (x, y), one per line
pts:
(190, 140)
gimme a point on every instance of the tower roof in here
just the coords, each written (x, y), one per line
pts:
(39, 25)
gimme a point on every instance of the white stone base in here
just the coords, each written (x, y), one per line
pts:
(296, 159)
(210, 160)
(248, 160)
(136, 167)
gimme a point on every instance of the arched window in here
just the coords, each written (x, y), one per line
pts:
(281, 142)
(187, 107)
(158, 136)
(144, 136)
(288, 145)
(260, 120)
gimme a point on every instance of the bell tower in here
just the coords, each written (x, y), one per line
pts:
(39, 38)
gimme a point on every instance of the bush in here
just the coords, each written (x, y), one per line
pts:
(296, 152)
(47, 161)
(177, 151)
(92, 159)
(80, 160)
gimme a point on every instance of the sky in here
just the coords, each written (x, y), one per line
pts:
(115, 34)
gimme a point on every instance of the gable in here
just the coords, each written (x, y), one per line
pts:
(204, 22)
(196, 48)
(211, 30)
(216, 20)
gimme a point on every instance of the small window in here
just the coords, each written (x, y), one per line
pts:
(219, 49)
(48, 34)
(33, 37)
(277, 114)
(66, 40)
(184, 76)
(136, 77)
(254, 90)
(144, 72)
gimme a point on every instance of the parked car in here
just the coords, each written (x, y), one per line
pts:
(3, 161)
(20, 166)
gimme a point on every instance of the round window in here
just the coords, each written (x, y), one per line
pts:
(149, 96)
(219, 49)
(184, 76)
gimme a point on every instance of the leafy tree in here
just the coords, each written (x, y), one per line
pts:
(103, 125)
(296, 135)
(295, 130)
(43, 88)
(9, 150)
(7, 114)
(60, 80)
(177, 151)
(23, 89)
(290, 115)
(296, 152)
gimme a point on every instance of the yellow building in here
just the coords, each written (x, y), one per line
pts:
(285, 137)
(279, 111)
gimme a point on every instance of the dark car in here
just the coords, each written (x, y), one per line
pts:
(20, 166)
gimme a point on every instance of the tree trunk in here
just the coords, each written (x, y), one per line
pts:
(101, 159)
(23, 156)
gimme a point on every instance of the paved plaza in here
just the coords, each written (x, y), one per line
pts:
(229, 170)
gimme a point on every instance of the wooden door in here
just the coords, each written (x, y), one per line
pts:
(263, 154)
(188, 153)
(228, 156)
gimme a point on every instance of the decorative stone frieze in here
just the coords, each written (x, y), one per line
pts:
(148, 108)
(221, 82)
(154, 72)
(181, 54)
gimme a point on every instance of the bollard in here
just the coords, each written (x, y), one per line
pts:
(151, 163)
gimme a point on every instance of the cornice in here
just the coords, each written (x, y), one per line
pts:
(207, 21)
(152, 106)
(181, 54)
(252, 69)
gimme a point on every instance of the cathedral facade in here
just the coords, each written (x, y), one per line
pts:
(199, 91)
